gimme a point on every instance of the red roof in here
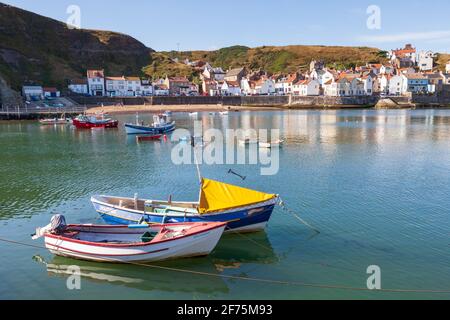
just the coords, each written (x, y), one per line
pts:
(95, 74)
(49, 89)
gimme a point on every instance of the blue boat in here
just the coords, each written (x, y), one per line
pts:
(245, 210)
(161, 125)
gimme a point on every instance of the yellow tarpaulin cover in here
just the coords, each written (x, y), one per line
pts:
(217, 196)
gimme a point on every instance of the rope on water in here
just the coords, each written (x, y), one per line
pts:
(270, 281)
(293, 213)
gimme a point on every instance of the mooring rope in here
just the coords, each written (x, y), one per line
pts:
(296, 215)
(269, 281)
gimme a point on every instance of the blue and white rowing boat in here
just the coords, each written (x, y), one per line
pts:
(244, 210)
(161, 125)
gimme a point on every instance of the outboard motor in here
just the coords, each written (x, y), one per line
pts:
(57, 225)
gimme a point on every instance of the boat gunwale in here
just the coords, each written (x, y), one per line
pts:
(255, 205)
(215, 225)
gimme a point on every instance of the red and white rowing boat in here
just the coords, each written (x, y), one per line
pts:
(138, 243)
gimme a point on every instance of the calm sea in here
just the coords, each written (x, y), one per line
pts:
(375, 183)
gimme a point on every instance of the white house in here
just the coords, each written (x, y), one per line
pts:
(425, 61)
(385, 69)
(123, 86)
(230, 88)
(397, 85)
(33, 92)
(447, 67)
(309, 87)
(146, 87)
(323, 76)
(264, 86)
(247, 86)
(337, 88)
(79, 86)
(51, 92)
(96, 82)
(383, 84)
(160, 90)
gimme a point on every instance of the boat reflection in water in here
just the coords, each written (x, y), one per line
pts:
(233, 253)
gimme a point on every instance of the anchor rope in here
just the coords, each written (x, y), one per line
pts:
(261, 280)
(296, 215)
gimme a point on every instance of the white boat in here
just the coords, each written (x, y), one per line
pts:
(224, 113)
(192, 114)
(269, 145)
(54, 121)
(134, 243)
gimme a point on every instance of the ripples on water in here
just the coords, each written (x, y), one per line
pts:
(374, 182)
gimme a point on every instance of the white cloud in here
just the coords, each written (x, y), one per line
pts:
(407, 37)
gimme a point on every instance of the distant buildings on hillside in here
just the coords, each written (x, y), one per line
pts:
(406, 72)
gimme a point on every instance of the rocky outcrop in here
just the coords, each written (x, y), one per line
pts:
(36, 49)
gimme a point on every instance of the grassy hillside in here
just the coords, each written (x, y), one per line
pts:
(441, 61)
(284, 59)
(40, 50)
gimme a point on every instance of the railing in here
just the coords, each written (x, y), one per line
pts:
(27, 110)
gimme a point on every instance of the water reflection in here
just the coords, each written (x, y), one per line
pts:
(233, 253)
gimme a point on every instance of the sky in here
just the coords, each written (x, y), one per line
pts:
(210, 24)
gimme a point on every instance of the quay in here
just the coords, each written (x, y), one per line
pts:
(33, 113)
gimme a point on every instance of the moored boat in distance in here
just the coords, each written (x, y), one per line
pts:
(94, 121)
(149, 138)
(55, 121)
(131, 243)
(272, 144)
(243, 209)
(161, 124)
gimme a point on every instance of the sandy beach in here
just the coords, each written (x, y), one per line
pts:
(173, 108)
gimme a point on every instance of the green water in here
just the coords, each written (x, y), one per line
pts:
(376, 183)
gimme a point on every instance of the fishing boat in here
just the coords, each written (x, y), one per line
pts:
(161, 124)
(131, 243)
(95, 121)
(224, 113)
(243, 209)
(149, 138)
(269, 145)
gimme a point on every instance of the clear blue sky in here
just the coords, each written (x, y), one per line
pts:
(212, 24)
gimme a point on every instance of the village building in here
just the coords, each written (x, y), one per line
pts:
(146, 87)
(160, 90)
(235, 75)
(33, 93)
(51, 92)
(230, 88)
(447, 67)
(96, 82)
(123, 86)
(310, 87)
(79, 86)
(417, 83)
(337, 88)
(407, 55)
(264, 86)
(177, 85)
(426, 60)
(397, 86)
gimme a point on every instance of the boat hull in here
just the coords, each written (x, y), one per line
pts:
(249, 219)
(196, 244)
(135, 129)
(89, 125)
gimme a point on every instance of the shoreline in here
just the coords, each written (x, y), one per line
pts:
(176, 108)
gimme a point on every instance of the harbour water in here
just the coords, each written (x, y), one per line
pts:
(376, 184)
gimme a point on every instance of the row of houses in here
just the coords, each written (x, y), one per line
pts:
(97, 84)
(393, 78)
